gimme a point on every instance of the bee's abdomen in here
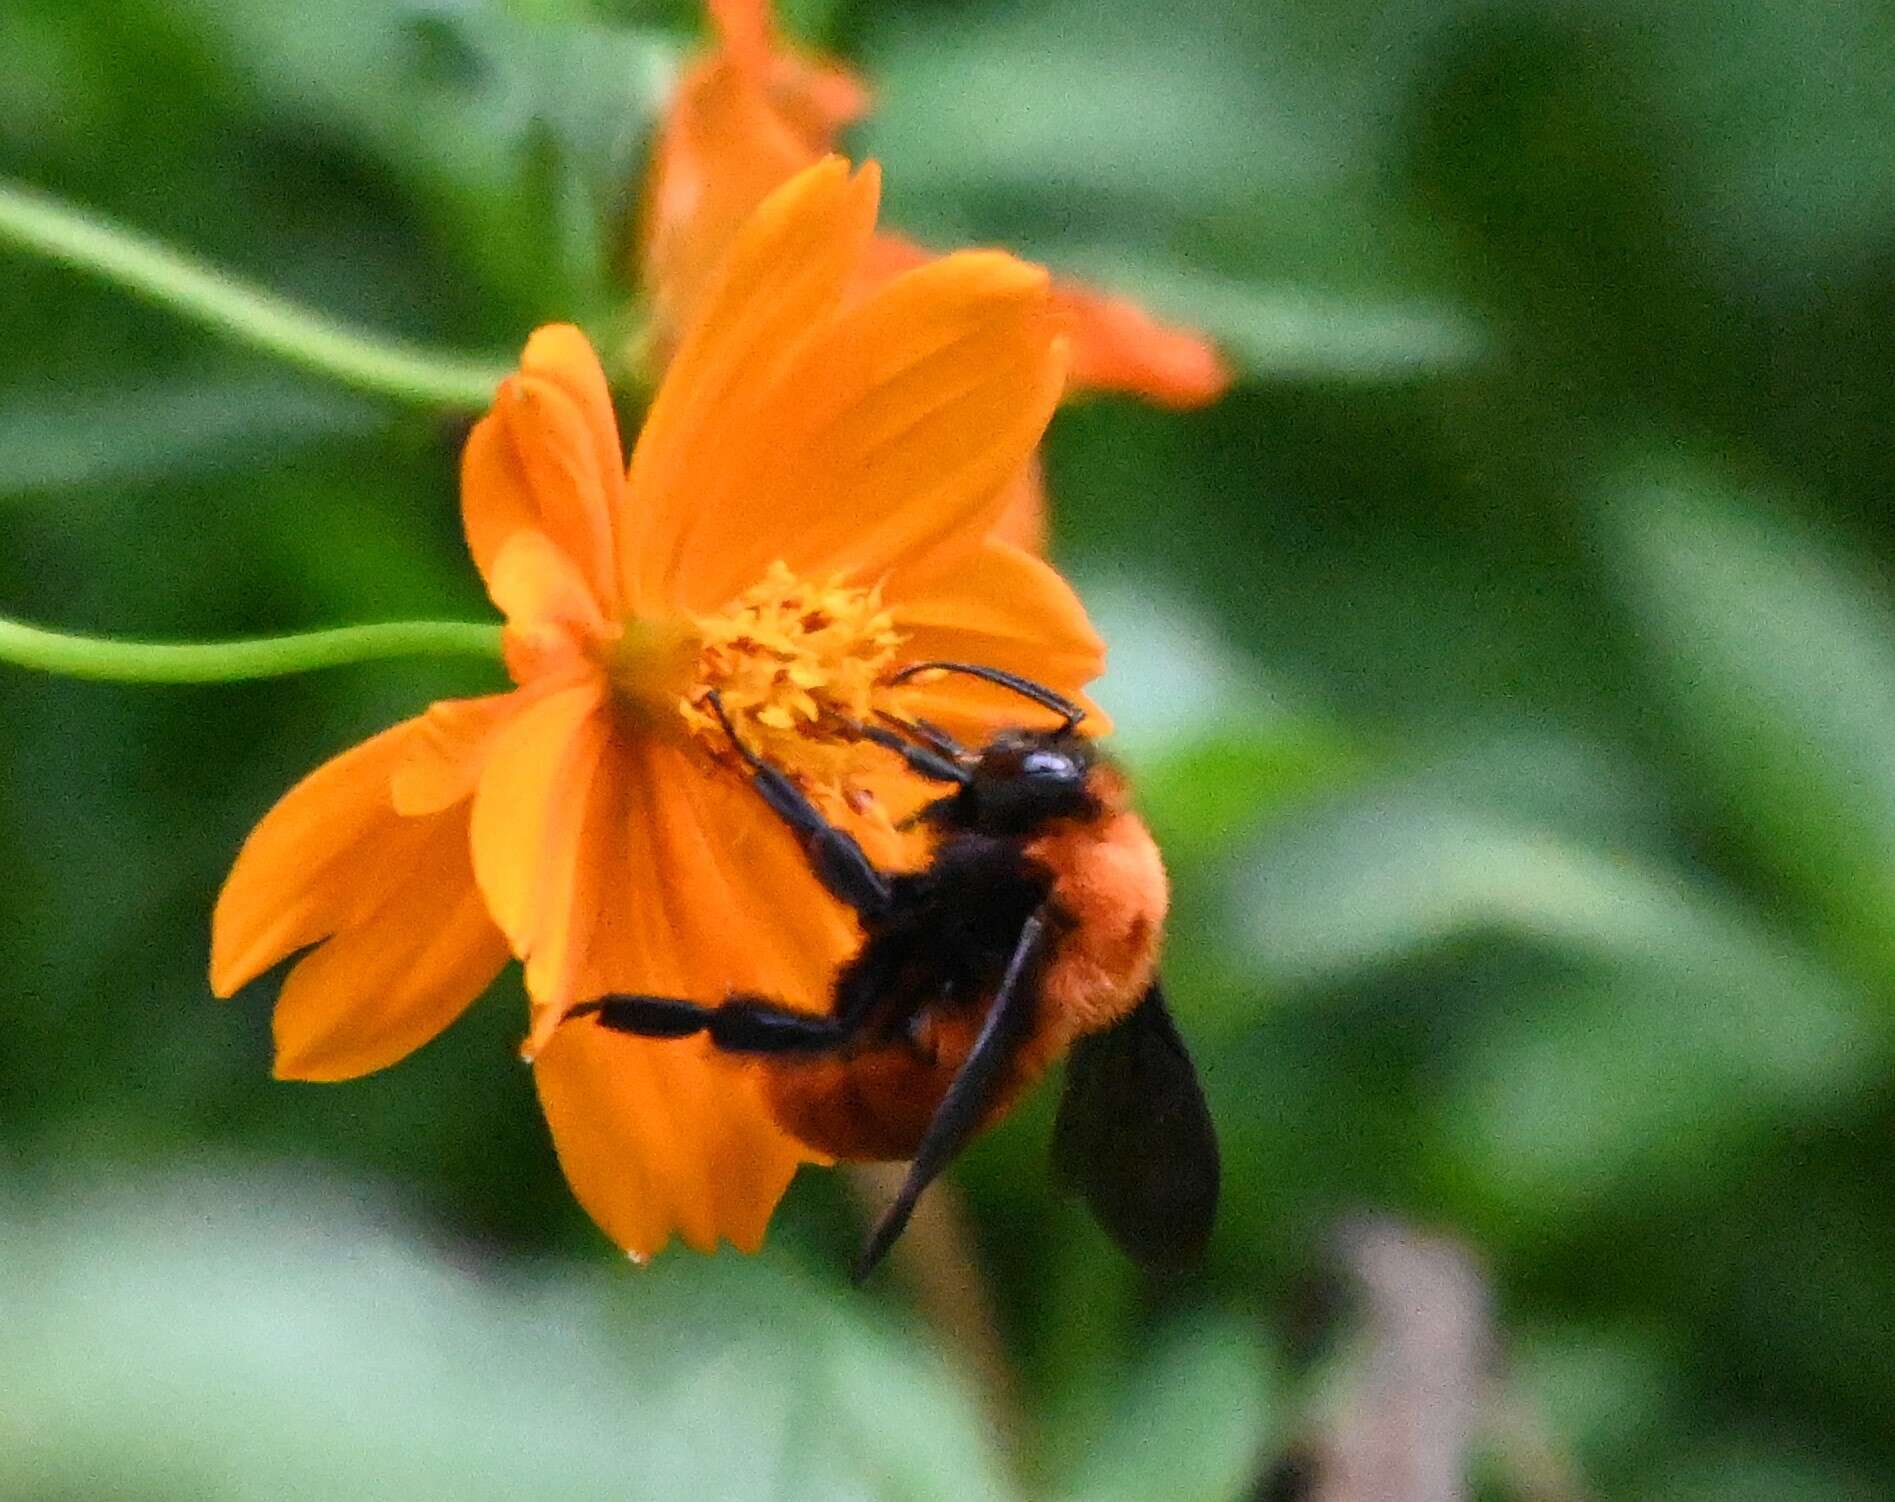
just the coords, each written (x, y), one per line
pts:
(876, 1102)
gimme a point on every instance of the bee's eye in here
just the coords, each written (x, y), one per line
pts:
(1050, 764)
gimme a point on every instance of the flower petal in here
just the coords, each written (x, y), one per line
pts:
(314, 864)
(1118, 346)
(405, 944)
(746, 29)
(528, 816)
(1022, 519)
(1002, 608)
(535, 583)
(892, 433)
(723, 148)
(547, 458)
(376, 991)
(706, 1158)
(442, 760)
(638, 1123)
(749, 876)
(784, 277)
(814, 96)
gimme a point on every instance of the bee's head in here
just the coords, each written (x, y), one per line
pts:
(1022, 778)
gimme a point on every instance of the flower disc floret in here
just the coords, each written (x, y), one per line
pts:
(798, 666)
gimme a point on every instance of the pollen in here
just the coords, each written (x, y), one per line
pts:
(798, 665)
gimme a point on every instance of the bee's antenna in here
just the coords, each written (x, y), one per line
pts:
(1025, 687)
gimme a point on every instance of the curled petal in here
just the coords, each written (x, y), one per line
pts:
(537, 584)
(405, 944)
(1118, 346)
(547, 458)
(1022, 518)
(553, 619)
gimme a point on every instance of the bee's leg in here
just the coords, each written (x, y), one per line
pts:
(931, 735)
(838, 862)
(923, 759)
(744, 1024)
(1009, 1022)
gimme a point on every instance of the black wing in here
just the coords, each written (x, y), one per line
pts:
(1135, 1138)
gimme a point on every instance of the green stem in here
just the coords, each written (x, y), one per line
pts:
(35, 222)
(229, 661)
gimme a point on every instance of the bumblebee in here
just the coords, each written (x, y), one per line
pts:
(1031, 932)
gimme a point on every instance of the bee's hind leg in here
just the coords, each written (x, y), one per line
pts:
(744, 1024)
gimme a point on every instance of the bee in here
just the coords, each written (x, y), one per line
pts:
(1031, 931)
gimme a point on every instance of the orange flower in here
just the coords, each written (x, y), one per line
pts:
(808, 504)
(754, 111)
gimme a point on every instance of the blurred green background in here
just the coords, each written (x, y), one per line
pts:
(1508, 665)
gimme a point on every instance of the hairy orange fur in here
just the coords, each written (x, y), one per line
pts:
(1108, 904)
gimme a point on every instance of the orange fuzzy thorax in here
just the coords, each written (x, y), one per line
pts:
(1110, 885)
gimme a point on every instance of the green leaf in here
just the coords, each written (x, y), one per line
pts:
(1755, 1472)
(521, 138)
(172, 427)
(1290, 331)
(1614, 1089)
(1220, 787)
(1780, 661)
(1606, 1396)
(1185, 158)
(1387, 875)
(1172, 673)
(1682, 1024)
(1215, 747)
(1192, 1422)
(251, 1334)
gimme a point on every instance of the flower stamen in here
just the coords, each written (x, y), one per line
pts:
(798, 665)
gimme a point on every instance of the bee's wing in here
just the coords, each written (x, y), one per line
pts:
(1135, 1137)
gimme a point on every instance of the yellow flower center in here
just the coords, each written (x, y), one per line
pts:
(798, 665)
(649, 663)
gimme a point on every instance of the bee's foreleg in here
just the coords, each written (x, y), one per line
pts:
(837, 860)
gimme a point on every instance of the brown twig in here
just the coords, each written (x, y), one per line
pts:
(1405, 1433)
(1424, 1392)
(936, 1259)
